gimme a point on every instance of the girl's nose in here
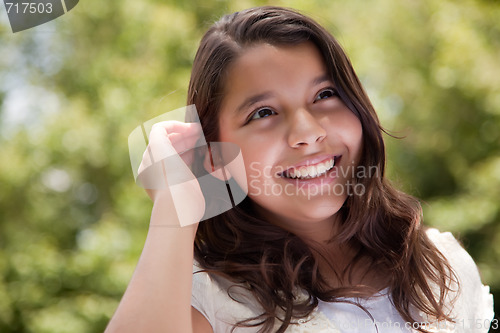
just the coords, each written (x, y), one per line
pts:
(304, 129)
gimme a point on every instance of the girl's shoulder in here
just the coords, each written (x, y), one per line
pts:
(222, 302)
(472, 305)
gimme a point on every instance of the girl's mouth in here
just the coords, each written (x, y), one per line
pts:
(310, 171)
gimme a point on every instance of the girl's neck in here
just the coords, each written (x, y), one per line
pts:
(345, 265)
(337, 261)
(318, 232)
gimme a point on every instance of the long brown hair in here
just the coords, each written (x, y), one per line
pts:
(385, 223)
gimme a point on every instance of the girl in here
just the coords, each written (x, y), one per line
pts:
(322, 243)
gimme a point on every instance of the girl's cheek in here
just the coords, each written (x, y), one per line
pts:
(353, 133)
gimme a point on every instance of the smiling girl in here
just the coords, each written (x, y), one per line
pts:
(317, 246)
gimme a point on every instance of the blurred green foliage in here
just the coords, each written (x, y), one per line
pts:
(72, 220)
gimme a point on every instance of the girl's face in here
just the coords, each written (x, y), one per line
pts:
(300, 143)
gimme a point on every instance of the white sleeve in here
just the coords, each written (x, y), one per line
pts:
(473, 308)
(200, 295)
(210, 297)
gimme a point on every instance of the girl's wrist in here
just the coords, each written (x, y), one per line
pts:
(165, 215)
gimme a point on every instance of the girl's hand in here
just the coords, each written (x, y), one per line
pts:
(165, 171)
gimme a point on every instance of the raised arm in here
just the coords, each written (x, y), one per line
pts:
(158, 297)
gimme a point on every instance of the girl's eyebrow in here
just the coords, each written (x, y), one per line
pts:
(320, 79)
(256, 98)
(252, 100)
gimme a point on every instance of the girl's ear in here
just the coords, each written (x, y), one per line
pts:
(214, 166)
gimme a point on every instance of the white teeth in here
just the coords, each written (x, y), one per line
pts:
(303, 173)
(312, 171)
(322, 168)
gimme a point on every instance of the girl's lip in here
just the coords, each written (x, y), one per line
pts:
(310, 162)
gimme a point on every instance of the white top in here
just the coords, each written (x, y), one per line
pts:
(473, 310)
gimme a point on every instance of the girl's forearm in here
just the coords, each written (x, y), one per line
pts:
(158, 298)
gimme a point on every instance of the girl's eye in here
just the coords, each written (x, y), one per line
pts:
(262, 113)
(326, 93)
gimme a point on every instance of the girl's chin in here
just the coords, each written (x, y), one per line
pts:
(298, 209)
